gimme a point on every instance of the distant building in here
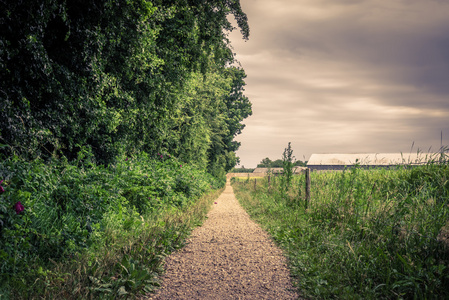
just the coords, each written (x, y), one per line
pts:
(367, 160)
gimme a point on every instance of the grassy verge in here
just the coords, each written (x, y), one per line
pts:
(82, 231)
(372, 234)
(125, 262)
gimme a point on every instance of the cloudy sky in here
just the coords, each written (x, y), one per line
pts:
(344, 76)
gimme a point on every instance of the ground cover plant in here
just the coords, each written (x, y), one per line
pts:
(79, 230)
(376, 234)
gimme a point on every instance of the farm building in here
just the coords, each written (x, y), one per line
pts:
(367, 160)
(296, 170)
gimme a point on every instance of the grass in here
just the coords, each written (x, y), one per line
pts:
(85, 231)
(376, 234)
(124, 261)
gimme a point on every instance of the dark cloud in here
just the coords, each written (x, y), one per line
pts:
(344, 76)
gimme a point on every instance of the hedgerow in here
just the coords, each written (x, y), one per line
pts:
(52, 211)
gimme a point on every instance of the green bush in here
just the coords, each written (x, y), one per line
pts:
(52, 211)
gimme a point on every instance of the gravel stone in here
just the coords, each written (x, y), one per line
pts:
(228, 257)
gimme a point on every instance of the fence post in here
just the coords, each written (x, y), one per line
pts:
(307, 187)
(255, 183)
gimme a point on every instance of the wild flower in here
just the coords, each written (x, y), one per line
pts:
(126, 159)
(2, 190)
(19, 207)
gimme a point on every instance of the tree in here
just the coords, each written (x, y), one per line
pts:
(108, 74)
(300, 163)
(234, 108)
(277, 163)
(268, 163)
(207, 118)
(265, 163)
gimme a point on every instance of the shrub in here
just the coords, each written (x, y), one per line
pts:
(55, 210)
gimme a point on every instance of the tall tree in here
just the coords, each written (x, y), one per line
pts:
(106, 74)
(208, 118)
(265, 163)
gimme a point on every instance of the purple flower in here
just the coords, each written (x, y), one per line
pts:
(18, 207)
(215, 203)
(126, 159)
(180, 166)
(2, 190)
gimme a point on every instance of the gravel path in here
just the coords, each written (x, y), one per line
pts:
(228, 257)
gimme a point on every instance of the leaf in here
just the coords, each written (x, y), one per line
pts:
(122, 291)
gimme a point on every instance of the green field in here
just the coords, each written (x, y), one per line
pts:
(365, 234)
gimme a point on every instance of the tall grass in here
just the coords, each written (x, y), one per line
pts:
(366, 233)
(85, 231)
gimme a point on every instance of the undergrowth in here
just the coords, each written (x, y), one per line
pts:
(375, 234)
(77, 230)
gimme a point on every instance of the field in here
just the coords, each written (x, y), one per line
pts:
(365, 233)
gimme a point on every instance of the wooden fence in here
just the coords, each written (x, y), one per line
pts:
(305, 171)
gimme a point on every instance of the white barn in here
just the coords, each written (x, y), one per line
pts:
(366, 160)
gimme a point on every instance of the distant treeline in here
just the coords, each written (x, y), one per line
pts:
(268, 163)
(278, 163)
(242, 170)
(121, 77)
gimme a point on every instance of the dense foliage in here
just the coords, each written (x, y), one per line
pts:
(70, 213)
(121, 77)
(116, 117)
(366, 234)
(278, 163)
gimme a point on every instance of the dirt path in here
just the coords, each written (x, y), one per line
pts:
(229, 257)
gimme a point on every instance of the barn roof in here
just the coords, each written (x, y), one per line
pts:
(369, 159)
